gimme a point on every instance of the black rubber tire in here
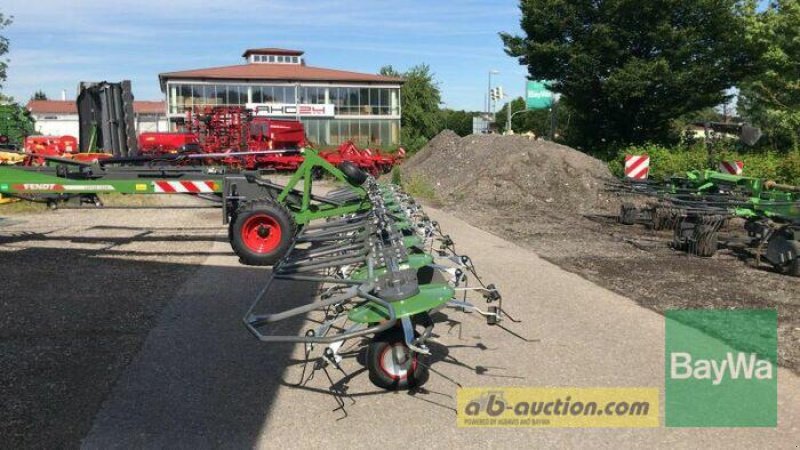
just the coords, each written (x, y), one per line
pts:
(379, 377)
(279, 214)
(627, 214)
(353, 173)
(706, 242)
(660, 219)
(794, 268)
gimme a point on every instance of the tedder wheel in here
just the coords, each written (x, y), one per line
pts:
(392, 365)
(355, 175)
(705, 241)
(627, 214)
(261, 233)
(794, 267)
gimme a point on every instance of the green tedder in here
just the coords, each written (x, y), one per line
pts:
(697, 204)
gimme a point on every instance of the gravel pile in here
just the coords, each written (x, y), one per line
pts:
(513, 173)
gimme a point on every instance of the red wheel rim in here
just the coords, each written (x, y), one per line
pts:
(261, 233)
(397, 370)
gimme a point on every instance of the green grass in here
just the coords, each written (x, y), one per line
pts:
(419, 187)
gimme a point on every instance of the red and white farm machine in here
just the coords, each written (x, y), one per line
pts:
(253, 143)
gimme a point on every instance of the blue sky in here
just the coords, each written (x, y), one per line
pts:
(57, 43)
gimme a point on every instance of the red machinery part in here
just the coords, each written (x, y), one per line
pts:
(56, 146)
(160, 143)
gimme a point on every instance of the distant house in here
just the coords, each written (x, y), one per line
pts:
(60, 117)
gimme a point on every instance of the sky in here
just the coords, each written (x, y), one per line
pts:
(55, 44)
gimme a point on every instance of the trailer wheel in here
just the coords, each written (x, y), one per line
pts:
(392, 365)
(261, 233)
(627, 214)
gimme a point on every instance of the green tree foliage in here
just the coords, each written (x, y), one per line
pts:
(420, 99)
(626, 68)
(537, 122)
(4, 22)
(39, 95)
(458, 121)
(771, 98)
(15, 122)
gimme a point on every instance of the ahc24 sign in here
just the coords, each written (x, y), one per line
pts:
(292, 110)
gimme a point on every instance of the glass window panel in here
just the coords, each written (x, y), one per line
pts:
(258, 96)
(385, 136)
(221, 97)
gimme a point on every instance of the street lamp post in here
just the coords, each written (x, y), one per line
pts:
(488, 95)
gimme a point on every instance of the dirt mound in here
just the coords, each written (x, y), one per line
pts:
(512, 173)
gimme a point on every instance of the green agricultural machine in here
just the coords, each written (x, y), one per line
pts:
(698, 204)
(262, 216)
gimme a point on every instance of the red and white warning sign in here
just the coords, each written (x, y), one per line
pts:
(184, 187)
(637, 167)
(732, 167)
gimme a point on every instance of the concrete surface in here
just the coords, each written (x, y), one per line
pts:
(202, 381)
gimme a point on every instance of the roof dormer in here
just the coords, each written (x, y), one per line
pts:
(273, 56)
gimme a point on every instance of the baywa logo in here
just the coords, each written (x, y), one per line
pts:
(742, 365)
(721, 368)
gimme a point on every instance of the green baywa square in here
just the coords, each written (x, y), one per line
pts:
(721, 368)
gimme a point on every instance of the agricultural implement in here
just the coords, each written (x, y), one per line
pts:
(379, 274)
(262, 216)
(698, 204)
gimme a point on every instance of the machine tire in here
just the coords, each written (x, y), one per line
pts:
(706, 242)
(355, 175)
(794, 268)
(660, 219)
(379, 359)
(627, 214)
(261, 233)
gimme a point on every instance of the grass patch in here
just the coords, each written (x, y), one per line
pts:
(420, 188)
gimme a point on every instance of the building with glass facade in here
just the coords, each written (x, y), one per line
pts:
(334, 105)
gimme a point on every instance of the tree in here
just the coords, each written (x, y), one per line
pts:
(458, 121)
(420, 99)
(15, 122)
(538, 121)
(771, 98)
(4, 22)
(626, 68)
(39, 95)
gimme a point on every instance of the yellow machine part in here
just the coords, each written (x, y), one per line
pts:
(11, 158)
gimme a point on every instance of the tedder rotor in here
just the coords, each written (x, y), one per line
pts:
(698, 204)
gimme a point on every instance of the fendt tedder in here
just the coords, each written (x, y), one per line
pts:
(376, 259)
(382, 273)
(698, 204)
(262, 216)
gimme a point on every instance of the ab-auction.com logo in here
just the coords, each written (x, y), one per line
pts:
(558, 407)
(721, 368)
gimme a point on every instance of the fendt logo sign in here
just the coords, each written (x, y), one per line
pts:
(292, 110)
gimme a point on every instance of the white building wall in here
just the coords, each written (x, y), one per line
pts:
(57, 125)
(68, 124)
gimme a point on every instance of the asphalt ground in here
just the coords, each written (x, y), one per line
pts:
(132, 337)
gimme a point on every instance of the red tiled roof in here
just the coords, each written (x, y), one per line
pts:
(271, 51)
(277, 72)
(69, 107)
